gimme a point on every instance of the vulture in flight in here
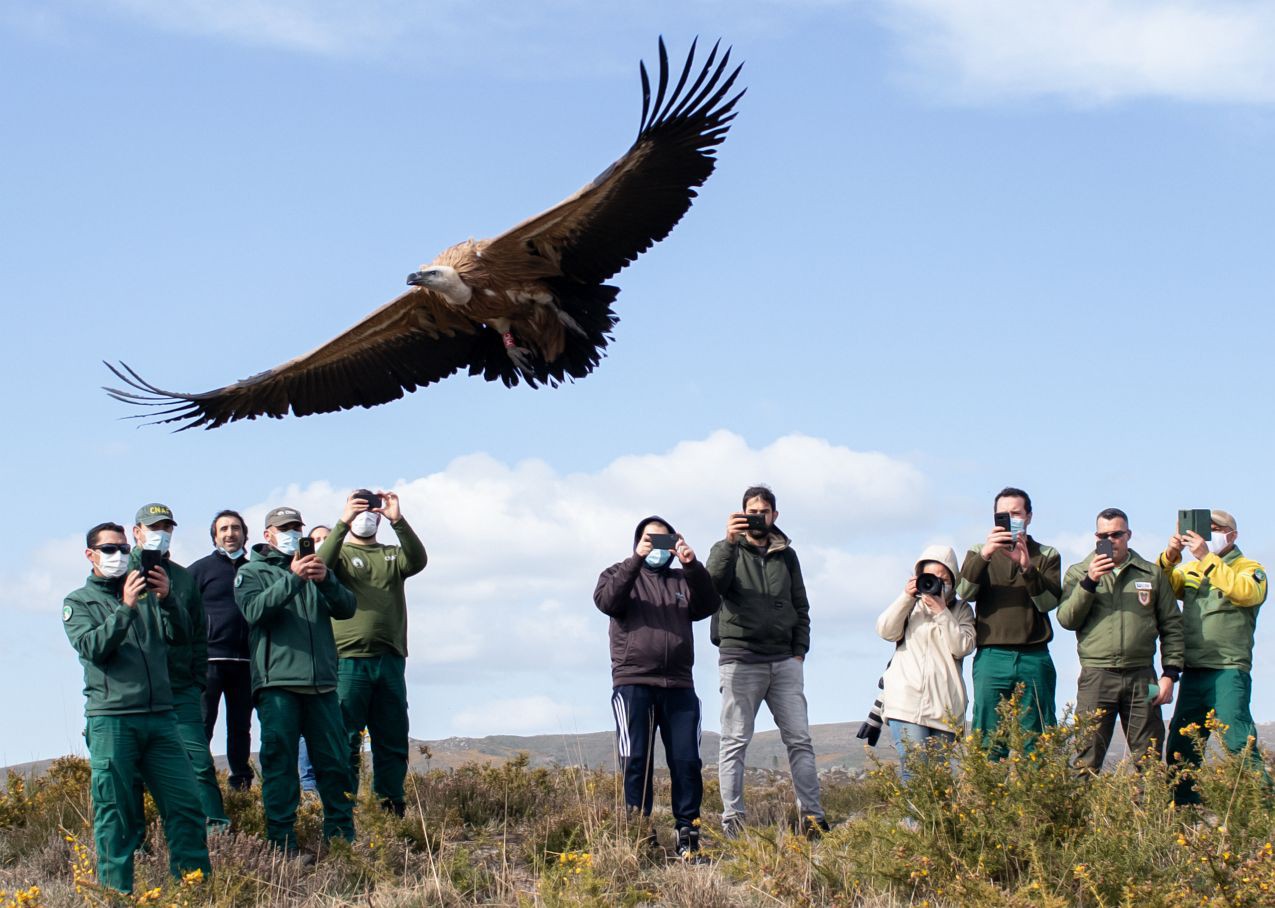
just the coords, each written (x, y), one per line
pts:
(531, 304)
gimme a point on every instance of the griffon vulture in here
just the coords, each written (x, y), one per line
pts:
(531, 304)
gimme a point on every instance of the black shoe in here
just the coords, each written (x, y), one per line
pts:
(687, 842)
(813, 827)
(389, 805)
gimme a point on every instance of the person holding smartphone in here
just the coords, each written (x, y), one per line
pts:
(1120, 605)
(289, 601)
(1014, 582)
(372, 645)
(121, 623)
(187, 662)
(762, 631)
(651, 607)
(923, 690)
(1222, 592)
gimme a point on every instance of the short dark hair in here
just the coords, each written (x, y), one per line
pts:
(313, 530)
(1011, 492)
(762, 492)
(212, 527)
(1113, 514)
(90, 538)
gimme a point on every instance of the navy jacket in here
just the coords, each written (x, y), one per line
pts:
(227, 629)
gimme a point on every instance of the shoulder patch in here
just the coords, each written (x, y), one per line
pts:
(238, 579)
(66, 613)
(1259, 575)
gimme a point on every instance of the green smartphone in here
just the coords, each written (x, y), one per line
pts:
(1199, 520)
(1153, 691)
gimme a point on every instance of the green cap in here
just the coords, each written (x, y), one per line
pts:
(150, 514)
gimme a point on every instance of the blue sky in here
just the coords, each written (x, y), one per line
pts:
(949, 246)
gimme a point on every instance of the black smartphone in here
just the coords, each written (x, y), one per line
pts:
(1198, 519)
(1002, 520)
(373, 502)
(756, 523)
(150, 559)
(1105, 547)
(305, 546)
(663, 540)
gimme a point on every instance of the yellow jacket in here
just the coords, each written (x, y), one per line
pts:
(1221, 596)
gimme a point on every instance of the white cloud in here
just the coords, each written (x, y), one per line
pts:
(1090, 51)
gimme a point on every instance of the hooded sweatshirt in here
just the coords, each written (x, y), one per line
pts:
(923, 684)
(651, 611)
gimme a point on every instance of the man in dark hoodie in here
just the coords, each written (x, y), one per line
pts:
(229, 675)
(651, 608)
(763, 633)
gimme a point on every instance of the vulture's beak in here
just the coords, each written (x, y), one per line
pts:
(416, 279)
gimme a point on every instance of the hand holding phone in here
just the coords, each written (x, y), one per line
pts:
(150, 558)
(663, 540)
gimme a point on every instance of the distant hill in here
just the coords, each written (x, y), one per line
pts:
(836, 747)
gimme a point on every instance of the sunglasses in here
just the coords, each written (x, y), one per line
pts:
(111, 548)
(1116, 534)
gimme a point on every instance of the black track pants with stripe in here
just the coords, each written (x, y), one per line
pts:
(641, 709)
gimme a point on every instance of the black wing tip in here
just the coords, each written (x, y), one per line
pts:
(181, 407)
(702, 101)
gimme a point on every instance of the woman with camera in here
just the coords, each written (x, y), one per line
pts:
(924, 691)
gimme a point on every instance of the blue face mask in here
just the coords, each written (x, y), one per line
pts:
(1016, 527)
(286, 541)
(233, 556)
(658, 558)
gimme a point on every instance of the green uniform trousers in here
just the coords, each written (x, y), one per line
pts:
(998, 670)
(1226, 691)
(188, 706)
(123, 749)
(1123, 692)
(373, 692)
(285, 716)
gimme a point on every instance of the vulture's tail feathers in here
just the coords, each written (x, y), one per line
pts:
(180, 406)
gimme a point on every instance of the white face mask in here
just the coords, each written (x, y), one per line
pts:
(112, 566)
(364, 524)
(233, 556)
(156, 540)
(1218, 542)
(286, 541)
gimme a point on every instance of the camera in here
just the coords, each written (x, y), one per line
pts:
(756, 523)
(929, 585)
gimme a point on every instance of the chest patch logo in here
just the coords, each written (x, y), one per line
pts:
(66, 613)
(1144, 592)
(358, 563)
(238, 579)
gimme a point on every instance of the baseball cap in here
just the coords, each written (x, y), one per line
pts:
(282, 517)
(1222, 519)
(150, 514)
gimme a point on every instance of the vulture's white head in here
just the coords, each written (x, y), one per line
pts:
(444, 280)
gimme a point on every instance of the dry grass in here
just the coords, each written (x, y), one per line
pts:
(965, 830)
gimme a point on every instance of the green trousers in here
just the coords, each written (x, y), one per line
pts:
(188, 706)
(285, 716)
(145, 746)
(1123, 692)
(373, 692)
(1226, 691)
(998, 670)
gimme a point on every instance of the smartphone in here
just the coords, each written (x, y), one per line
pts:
(663, 540)
(1002, 523)
(373, 502)
(1199, 520)
(1104, 547)
(756, 523)
(305, 546)
(150, 559)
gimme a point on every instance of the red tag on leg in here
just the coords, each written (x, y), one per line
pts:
(508, 338)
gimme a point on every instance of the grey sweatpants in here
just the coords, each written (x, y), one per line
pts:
(782, 686)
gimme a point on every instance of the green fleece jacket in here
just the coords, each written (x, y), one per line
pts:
(1012, 607)
(289, 622)
(1118, 623)
(187, 662)
(764, 606)
(124, 650)
(375, 574)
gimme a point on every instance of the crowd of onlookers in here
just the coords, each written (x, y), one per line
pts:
(311, 632)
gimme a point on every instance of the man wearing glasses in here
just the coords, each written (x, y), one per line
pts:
(1221, 593)
(1119, 604)
(121, 624)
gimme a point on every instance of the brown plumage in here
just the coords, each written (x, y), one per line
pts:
(530, 304)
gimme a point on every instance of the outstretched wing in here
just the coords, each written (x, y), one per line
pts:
(637, 201)
(412, 341)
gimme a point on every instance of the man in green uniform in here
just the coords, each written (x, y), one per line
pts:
(120, 628)
(187, 662)
(373, 644)
(1015, 582)
(1120, 605)
(1221, 593)
(289, 603)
